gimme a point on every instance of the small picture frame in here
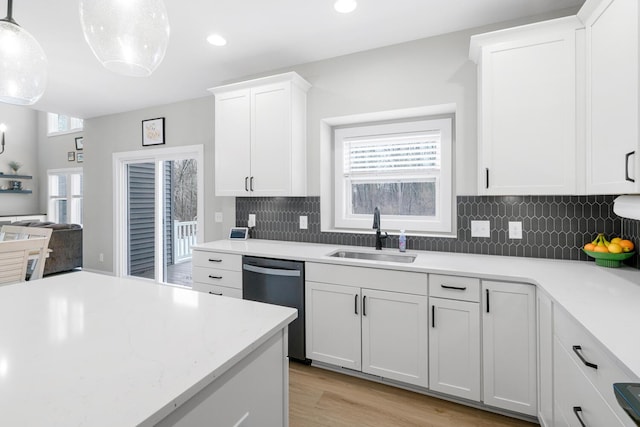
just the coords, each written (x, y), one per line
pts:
(71, 156)
(153, 132)
(80, 157)
(79, 143)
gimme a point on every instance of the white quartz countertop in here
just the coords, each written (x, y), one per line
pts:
(606, 301)
(84, 349)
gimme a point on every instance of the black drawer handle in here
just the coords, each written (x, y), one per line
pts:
(214, 260)
(215, 293)
(246, 179)
(215, 277)
(457, 288)
(577, 350)
(251, 184)
(577, 410)
(364, 305)
(356, 304)
(487, 291)
(486, 178)
(626, 166)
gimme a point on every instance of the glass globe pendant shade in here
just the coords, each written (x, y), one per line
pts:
(23, 66)
(128, 37)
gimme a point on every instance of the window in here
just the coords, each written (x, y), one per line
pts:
(60, 124)
(65, 196)
(404, 168)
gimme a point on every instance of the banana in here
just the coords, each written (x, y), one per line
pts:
(605, 241)
(596, 240)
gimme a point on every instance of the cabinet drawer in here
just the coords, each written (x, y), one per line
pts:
(570, 333)
(214, 276)
(217, 290)
(372, 278)
(219, 260)
(454, 287)
(573, 389)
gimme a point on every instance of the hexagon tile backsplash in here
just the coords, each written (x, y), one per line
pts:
(552, 226)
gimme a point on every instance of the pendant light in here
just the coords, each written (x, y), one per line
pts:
(23, 64)
(128, 37)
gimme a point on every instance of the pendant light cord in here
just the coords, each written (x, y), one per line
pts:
(9, 17)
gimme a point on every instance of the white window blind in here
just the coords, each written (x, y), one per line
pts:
(415, 153)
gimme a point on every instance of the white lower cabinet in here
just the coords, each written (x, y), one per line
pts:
(544, 313)
(377, 332)
(509, 346)
(454, 348)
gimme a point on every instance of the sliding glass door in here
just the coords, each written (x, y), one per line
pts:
(159, 222)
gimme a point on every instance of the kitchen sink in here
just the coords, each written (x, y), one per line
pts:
(373, 256)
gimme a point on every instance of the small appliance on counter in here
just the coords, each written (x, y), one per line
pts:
(628, 395)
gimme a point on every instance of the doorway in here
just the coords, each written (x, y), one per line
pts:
(158, 213)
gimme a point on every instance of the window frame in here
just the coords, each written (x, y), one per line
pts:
(51, 119)
(70, 196)
(333, 190)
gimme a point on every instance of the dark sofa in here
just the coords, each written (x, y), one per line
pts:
(65, 245)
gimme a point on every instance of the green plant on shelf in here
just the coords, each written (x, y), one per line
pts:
(15, 166)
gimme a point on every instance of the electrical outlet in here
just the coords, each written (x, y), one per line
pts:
(252, 220)
(101, 257)
(218, 217)
(480, 229)
(515, 230)
(304, 222)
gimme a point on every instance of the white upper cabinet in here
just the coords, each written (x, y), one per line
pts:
(260, 137)
(527, 108)
(612, 138)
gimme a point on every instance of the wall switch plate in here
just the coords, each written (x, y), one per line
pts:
(101, 257)
(218, 217)
(515, 230)
(304, 222)
(480, 229)
(252, 220)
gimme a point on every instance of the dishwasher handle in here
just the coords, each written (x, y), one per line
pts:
(271, 271)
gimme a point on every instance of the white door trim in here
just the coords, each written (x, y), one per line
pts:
(120, 161)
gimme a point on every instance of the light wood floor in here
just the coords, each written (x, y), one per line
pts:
(318, 397)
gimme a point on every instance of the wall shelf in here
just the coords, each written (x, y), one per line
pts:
(17, 191)
(5, 176)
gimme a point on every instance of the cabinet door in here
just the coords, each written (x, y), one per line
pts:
(454, 348)
(612, 98)
(509, 346)
(528, 116)
(394, 336)
(333, 324)
(271, 140)
(545, 360)
(232, 143)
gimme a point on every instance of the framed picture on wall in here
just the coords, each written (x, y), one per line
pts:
(80, 157)
(153, 132)
(79, 143)
(71, 156)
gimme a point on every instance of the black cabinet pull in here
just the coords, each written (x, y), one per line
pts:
(355, 304)
(433, 316)
(457, 288)
(215, 293)
(214, 260)
(364, 305)
(251, 184)
(246, 179)
(487, 292)
(486, 170)
(626, 166)
(577, 410)
(214, 277)
(577, 350)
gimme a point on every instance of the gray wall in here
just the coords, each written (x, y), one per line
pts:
(22, 146)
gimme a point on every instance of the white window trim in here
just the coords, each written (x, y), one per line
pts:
(68, 172)
(328, 172)
(63, 132)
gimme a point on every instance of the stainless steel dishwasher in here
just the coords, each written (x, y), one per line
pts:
(279, 282)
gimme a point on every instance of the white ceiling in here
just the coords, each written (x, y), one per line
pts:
(262, 35)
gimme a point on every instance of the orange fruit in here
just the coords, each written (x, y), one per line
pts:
(601, 249)
(589, 247)
(627, 245)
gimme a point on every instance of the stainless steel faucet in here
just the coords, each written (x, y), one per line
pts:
(376, 226)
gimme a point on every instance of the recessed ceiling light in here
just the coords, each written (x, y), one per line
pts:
(345, 6)
(217, 40)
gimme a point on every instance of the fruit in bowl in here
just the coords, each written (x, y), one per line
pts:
(609, 253)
